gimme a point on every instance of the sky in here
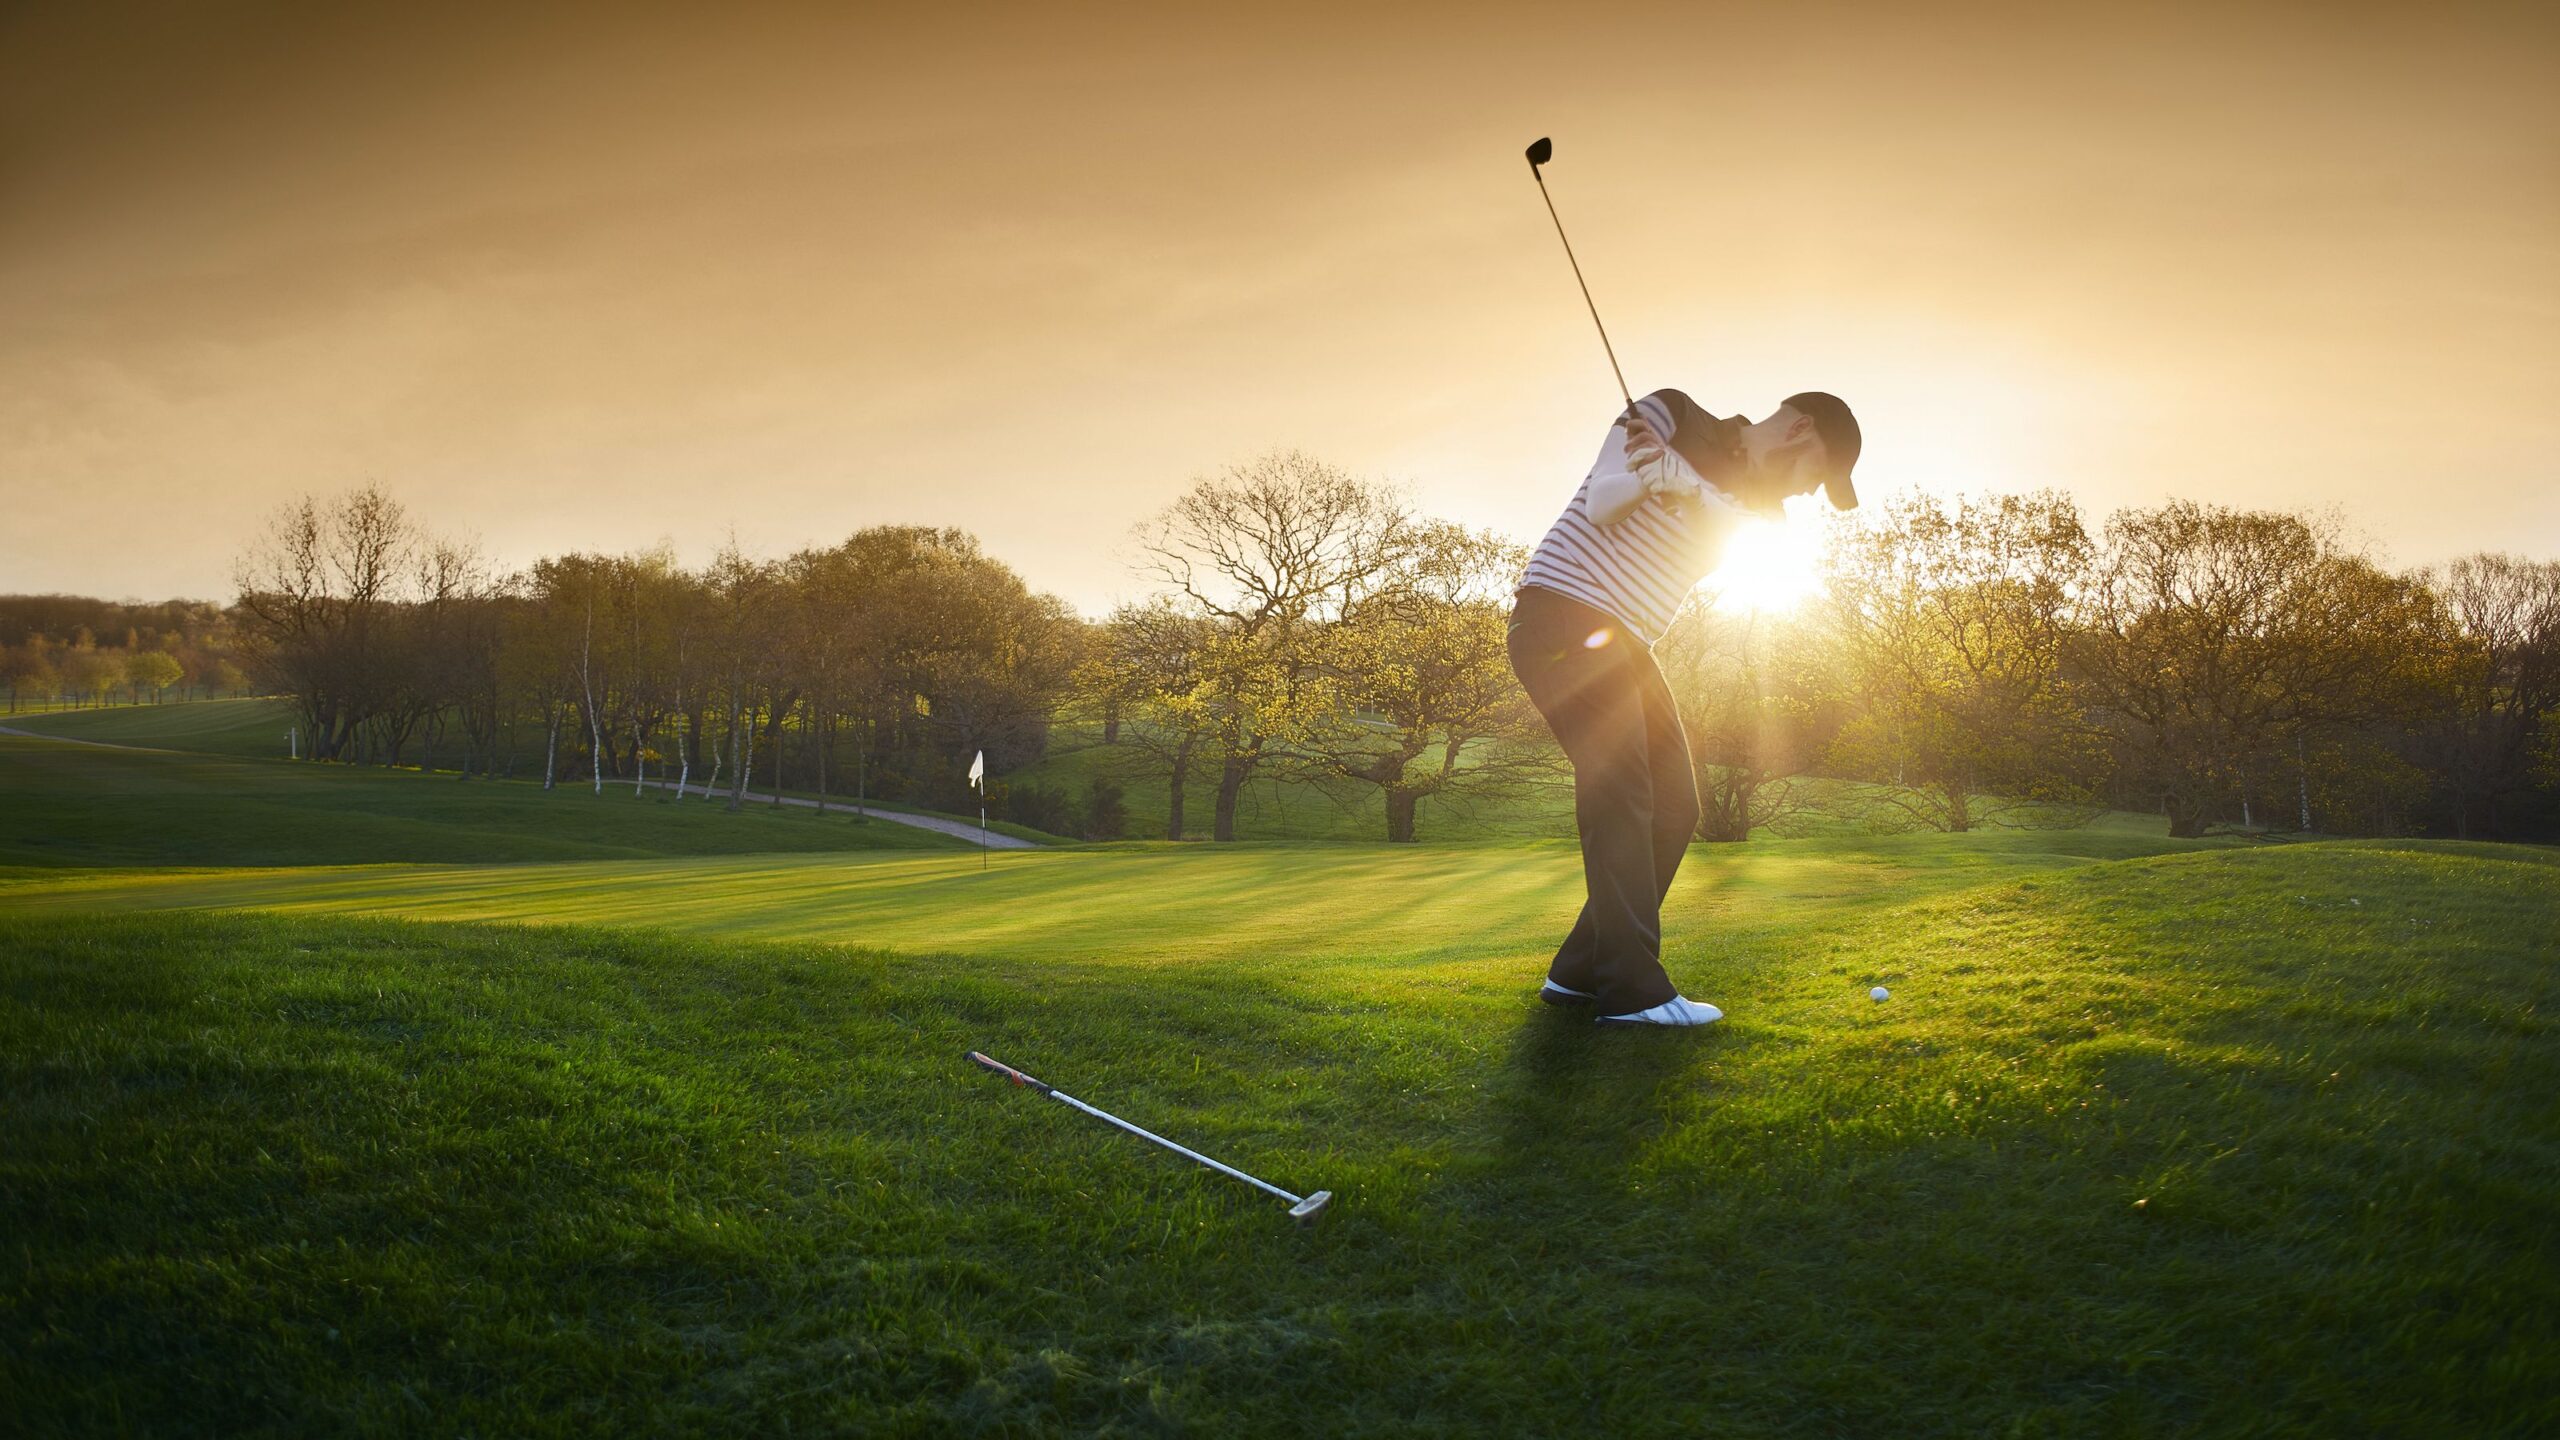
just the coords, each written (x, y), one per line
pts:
(593, 278)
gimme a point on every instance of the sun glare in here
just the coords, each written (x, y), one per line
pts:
(1771, 565)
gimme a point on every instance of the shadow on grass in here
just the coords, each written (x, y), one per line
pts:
(1574, 1105)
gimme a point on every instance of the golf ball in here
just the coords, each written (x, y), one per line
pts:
(1879, 993)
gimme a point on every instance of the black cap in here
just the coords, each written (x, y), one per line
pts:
(1840, 441)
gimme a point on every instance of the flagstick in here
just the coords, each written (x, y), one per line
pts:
(978, 782)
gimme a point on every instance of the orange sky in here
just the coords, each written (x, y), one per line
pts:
(617, 275)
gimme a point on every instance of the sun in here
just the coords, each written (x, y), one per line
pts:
(1772, 565)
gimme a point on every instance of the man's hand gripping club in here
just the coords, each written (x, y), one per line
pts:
(1649, 459)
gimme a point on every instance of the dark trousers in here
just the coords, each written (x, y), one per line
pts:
(1635, 799)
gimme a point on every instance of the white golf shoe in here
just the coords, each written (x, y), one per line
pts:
(1678, 1012)
(1555, 994)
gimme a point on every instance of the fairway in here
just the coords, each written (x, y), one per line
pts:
(77, 805)
(1270, 807)
(2151, 1137)
(1373, 905)
(252, 729)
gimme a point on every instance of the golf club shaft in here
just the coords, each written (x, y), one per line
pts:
(1587, 304)
(1109, 1118)
(1054, 1093)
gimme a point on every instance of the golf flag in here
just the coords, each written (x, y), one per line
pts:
(978, 773)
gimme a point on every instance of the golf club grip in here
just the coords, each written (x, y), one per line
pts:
(989, 1062)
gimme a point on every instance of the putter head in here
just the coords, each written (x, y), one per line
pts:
(1541, 151)
(1306, 1211)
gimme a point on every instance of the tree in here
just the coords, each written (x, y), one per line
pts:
(653, 608)
(1268, 553)
(1105, 817)
(1420, 669)
(318, 593)
(89, 672)
(574, 622)
(2221, 643)
(469, 663)
(2503, 681)
(196, 633)
(1149, 663)
(152, 670)
(742, 620)
(826, 633)
(28, 669)
(445, 649)
(1950, 623)
(1750, 692)
(934, 650)
(670, 610)
(986, 657)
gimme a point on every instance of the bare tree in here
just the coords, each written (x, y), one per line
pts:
(317, 593)
(434, 668)
(1269, 553)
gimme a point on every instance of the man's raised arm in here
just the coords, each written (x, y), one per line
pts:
(1635, 462)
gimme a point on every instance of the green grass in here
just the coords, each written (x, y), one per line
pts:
(75, 805)
(1288, 811)
(2152, 1139)
(1284, 810)
(1277, 806)
(251, 729)
(1136, 904)
(1270, 809)
(254, 729)
(31, 705)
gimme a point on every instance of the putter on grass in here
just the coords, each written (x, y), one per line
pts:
(1303, 1209)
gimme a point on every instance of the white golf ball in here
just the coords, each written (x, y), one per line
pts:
(1879, 993)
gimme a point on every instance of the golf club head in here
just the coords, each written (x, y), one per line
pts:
(1306, 1211)
(1541, 151)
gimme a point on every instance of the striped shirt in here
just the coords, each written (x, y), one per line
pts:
(1638, 567)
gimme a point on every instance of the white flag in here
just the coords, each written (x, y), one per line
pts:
(978, 773)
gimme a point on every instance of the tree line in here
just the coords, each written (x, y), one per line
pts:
(1965, 661)
(872, 668)
(1995, 659)
(71, 650)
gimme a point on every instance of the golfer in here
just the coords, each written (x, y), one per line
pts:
(1649, 522)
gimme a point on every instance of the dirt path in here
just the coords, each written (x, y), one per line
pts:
(960, 829)
(966, 830)
(67, 740)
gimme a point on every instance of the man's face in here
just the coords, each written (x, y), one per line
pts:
(1784, 453)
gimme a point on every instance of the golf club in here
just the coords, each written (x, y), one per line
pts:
(1303, 1209)
(1540, 153)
